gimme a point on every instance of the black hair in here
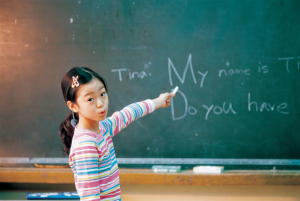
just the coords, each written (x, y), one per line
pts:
(85, 75)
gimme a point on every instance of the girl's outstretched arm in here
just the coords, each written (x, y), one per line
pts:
(119, 120)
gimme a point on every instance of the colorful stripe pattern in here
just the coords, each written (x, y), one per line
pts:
(92, 157)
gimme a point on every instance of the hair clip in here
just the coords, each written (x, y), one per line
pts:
(75, 83)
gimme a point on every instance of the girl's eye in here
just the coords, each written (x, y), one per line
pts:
(91, 99)
(103, 94)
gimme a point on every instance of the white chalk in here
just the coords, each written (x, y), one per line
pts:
(175, 90)
(208, 169)
(165, 168)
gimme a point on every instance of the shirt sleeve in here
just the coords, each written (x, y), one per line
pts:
(85, 167)
(119, 120)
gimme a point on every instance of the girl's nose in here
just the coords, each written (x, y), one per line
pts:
(99, 103)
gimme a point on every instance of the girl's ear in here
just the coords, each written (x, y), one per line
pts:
(72, 106)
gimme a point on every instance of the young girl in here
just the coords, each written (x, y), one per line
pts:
(87, 132)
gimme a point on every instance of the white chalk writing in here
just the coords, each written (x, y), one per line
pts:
(131, 75)
(188, 64)
(287, 62)
(266, 106)
(227, 107)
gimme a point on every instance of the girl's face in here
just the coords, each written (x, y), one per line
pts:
(92, 102)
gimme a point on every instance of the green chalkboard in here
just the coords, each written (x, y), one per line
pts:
(236, 64)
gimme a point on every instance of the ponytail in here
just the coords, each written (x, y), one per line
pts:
(66, 132)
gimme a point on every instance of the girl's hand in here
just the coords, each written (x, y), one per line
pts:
(164, 100)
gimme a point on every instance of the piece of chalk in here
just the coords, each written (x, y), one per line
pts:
(175, 90)
(208, 169)
(165, 168)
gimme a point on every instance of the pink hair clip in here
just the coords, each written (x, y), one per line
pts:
(75, 83)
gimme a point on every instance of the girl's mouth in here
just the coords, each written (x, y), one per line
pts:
(102, 113)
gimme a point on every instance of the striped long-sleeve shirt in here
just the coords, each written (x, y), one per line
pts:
(92, 157)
